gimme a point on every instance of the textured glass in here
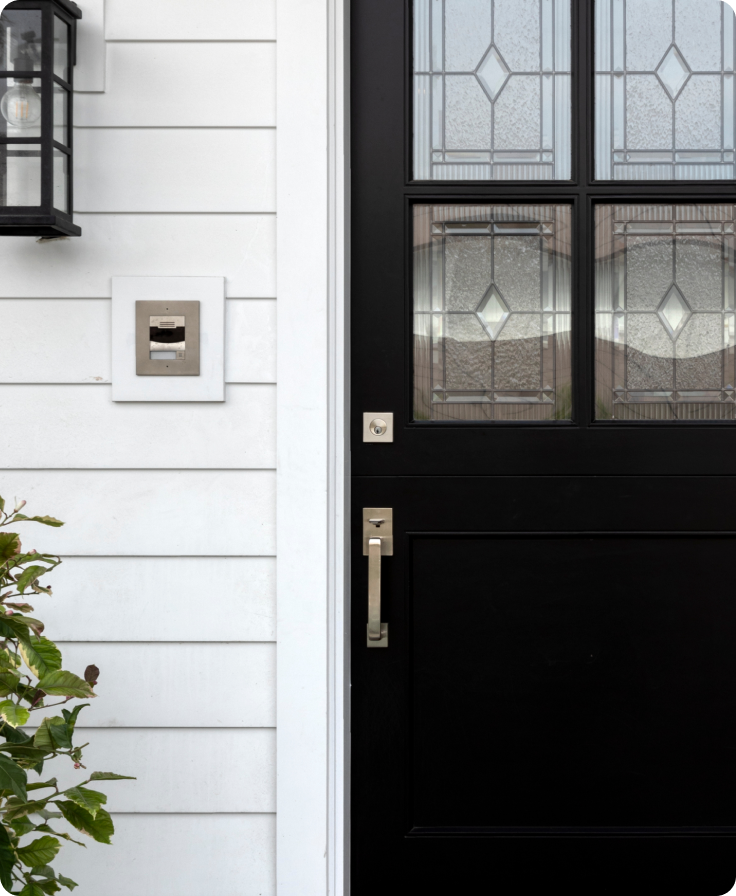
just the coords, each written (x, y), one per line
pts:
(664, 90)
(664, 312)
(20, 175)
(492, 90)
(492, 313)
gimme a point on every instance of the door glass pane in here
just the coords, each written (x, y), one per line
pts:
(664, 90)
(665, 312)
(492, 89)
(492, 312)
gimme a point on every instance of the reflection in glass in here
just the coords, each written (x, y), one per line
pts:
(20, 175)
(20, 40)
(492, 313)
(665, 90)
(492, 89)
(665, 312)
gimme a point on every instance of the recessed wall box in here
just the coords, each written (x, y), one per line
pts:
(167, 338)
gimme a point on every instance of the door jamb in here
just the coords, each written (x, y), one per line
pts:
(312, 455)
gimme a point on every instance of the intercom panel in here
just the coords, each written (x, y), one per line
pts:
(167, 338)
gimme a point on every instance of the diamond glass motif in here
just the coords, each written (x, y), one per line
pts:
(493, 73)
(674, 312)
(493, 312)
(673, 72)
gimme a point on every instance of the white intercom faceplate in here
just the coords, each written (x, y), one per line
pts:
(156, 320)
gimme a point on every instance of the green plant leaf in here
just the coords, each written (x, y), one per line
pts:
(9, 660)
(32, 889)
(53, 734)
(16, 809)
(44, 828)
(13, 778)
(7, 859)
(66, 882)
(14, 736)
(71, 717)
(91, 800)
(13, 714)
(65, 684)
(29, 575)
(9, 681)
(49, 887)
(40, 655)
(39, 852)
(16, 626)
(23, 826)
(99, 828)
(42, 785)
(46, 520)
(44, 871)
(9, 545)
(110, 776)
(2, 504)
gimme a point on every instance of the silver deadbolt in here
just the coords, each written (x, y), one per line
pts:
(378, 427)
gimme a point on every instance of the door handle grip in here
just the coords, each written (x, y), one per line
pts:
(377, 632)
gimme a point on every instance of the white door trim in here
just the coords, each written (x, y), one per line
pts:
(312, 446)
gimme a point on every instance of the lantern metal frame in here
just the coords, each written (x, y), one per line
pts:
(45, 220)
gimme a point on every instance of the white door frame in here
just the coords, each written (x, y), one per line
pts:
(312, 393)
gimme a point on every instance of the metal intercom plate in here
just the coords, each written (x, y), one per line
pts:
(167, 338)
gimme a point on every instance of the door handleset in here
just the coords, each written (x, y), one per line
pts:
(378, 541)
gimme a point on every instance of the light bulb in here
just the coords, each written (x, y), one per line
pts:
(21, 106)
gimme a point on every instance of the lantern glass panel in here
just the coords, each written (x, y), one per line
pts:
(61, 49)
(20, 105)
(20, 175)
(61, 181)
(61, 115)
(20, 40)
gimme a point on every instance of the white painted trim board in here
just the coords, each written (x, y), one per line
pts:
(311, 494)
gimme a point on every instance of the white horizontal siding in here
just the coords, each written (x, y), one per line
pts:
(250, 752)
(71, 341)
(174, 170)
(236, 434)
(161, 599)
(149, 512)
(187, 20)
(241, 248)
(184, 85)
(178, 685)
(177, 855)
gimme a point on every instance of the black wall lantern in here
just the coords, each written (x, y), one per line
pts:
(37, 57)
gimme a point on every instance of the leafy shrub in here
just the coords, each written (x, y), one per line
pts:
(31, 677)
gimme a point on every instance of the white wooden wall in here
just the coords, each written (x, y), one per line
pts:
(168, 583)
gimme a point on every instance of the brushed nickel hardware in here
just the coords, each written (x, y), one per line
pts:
(378, 541)
(378, 427)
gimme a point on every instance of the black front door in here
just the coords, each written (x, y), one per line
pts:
(543, 244)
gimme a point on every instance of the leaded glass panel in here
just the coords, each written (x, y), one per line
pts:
(665, 331)
(492, 313)
(664, 90)
(492, 90)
